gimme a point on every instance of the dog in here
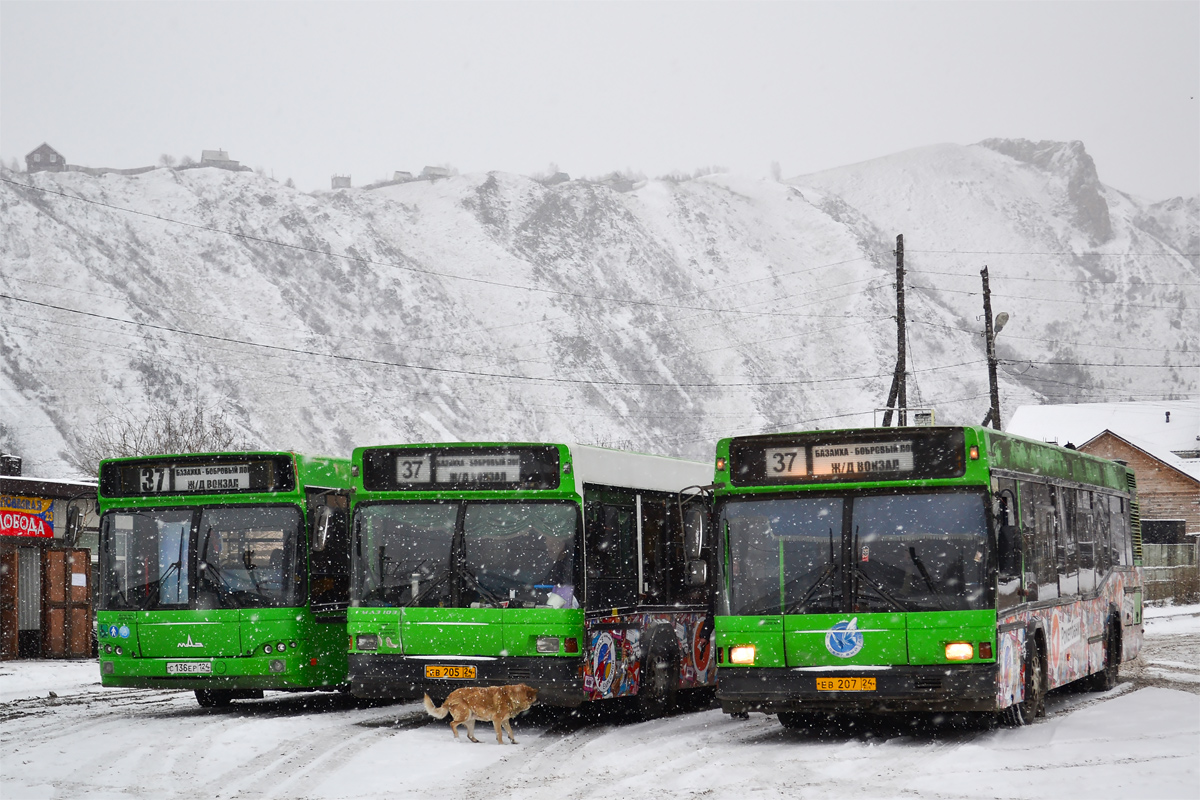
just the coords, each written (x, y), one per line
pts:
(494, 704)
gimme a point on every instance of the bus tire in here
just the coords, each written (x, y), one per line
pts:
(1034, 704)
(659, 686)
(213, 698)
(1110, 676)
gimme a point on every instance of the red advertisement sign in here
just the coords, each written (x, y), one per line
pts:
(26, 516)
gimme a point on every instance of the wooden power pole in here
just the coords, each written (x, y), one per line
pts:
(994, 414)
(898, 394)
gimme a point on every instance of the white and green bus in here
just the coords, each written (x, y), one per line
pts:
(576, 570)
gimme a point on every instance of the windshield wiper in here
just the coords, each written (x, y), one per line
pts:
(912, 553)
(829, 571)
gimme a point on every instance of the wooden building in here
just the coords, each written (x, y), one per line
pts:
(46, 570)
(45, 159)
(1160, 440)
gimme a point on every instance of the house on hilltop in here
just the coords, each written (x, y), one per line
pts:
(219, 159)
(45, 159)
(1159, 440)
(339, 182)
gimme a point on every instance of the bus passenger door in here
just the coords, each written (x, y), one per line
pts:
(610, 549)
(329, 566)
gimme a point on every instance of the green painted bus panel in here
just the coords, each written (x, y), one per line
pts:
(807, 639)
(930, 632)
(453, 631)
(167, 634)
(1017, 454)
(233, 641)
(765, 633)
(318, 471)
(522, 627)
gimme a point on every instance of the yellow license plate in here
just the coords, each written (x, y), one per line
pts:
(845, 684)
(455, 673)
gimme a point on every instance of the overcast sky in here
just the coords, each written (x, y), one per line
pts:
(309, 89)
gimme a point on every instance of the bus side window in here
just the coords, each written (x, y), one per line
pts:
(655, 538)
(1028, 539)
(1101, 535)
(1068, 549)
(1085, 527)
(1045, 565)
(1120, 544)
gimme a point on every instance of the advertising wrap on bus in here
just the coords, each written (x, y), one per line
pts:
(26, 516)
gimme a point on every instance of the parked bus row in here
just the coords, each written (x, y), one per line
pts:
(883, 570)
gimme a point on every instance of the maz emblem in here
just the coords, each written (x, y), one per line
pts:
(190, 643)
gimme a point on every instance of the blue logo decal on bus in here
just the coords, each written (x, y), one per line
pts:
(124, 631)
(112, 631)
(844, 639)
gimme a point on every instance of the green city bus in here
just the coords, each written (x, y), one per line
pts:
(224, 573)
(940, 569)
(576, 570)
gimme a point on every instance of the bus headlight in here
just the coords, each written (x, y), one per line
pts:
(277, 665)
(959, 651)
(366, 641)
(741, 654)
(547, 644)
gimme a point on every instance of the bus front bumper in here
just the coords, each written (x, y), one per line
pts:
(559, 681)
(936, 688)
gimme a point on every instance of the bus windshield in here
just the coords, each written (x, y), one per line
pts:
(847, 554)
(228, 557)
(512, 554)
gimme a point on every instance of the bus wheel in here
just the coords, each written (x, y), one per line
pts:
(659, 684)
(1034, 704)
(213, 698)
(1109, 677)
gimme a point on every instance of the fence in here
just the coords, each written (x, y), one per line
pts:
(1171, 572)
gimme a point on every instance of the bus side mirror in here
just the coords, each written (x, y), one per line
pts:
(693, 535)
(321, 524)
(697, 573)
(1010, 552)
(74, 525)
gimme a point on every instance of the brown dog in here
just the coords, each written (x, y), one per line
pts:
(494, 704)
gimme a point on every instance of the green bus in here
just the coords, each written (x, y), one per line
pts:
(940, 569)
(576, 570)
(224, 573)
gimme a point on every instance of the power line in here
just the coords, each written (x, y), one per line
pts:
(1060, 280)
(1055, 300)
(425, 368)
(1052, 253)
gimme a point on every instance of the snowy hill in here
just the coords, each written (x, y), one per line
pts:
(491, 307)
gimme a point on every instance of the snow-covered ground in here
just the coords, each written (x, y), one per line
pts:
(1141, 740)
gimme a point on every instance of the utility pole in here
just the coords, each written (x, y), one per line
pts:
(994, 414)
(898, 395)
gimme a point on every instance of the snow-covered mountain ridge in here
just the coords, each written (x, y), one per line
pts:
(492, 307)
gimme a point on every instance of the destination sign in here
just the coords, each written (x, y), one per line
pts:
(864, 457)
(879, 454)
(212, 475)
(479, 469)
(472, 467)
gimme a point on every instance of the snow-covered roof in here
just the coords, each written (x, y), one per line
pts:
(1188, 466)
(1145, 422)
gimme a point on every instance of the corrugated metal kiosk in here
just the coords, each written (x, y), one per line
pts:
(46, 570)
